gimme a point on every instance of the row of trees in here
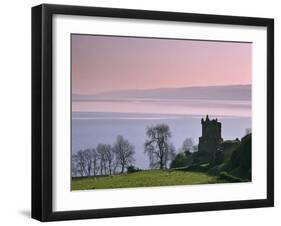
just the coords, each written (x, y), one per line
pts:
(108, 159)
(104, 159)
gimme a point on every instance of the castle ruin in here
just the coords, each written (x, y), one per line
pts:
(211, 140)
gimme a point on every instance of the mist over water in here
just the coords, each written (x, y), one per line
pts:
(100, 121)
(170, 106)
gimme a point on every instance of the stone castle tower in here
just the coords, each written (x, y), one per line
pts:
(211, 139)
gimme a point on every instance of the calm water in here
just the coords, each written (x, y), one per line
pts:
(101, 121)
(167, 106)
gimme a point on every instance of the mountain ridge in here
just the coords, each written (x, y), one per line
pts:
(228, 92)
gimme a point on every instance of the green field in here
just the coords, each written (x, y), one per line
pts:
(148, 178)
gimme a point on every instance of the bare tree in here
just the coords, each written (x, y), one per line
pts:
(170, 155)
(157, 146)
(89, 161)
(109, 156)
(187, 145)
(101, 152)
(116, 165)
(74, 169)
(95, 161)
(81, 162)
(124, 152)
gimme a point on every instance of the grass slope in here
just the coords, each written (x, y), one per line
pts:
(147, 178)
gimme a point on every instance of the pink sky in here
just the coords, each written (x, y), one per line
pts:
(104, 63)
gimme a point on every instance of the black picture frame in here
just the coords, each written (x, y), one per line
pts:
(42, 111)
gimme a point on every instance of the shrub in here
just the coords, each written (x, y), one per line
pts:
(182, 159)
(132, 169)
(239, 163)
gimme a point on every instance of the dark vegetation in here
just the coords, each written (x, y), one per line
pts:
(232, 163)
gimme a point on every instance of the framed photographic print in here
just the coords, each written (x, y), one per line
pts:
(140, 112)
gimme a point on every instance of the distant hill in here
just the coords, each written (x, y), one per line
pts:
(231, 92)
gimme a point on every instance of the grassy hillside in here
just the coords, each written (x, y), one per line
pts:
(147, 178)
